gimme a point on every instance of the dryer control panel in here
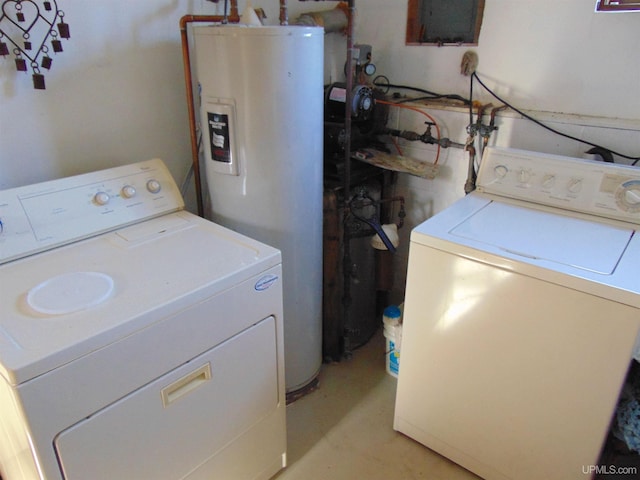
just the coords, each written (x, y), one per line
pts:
(596, 188)
(38, 217)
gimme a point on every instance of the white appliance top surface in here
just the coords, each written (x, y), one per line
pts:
(113, 285)
(554, 246)
(536, 234)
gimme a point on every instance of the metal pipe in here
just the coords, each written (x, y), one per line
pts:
(346, 259)
(424, 138)
(284, 17)
(195, 158)
(486, 133)
(347, 164)
(470, 184)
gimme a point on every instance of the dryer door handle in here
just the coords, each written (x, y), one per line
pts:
(185, 385)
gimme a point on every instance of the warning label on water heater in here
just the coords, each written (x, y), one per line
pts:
(220, 145)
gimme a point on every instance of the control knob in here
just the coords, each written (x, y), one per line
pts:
(628, 196)
(524, 176)
(500, 171)
(574, 185)
(154, 186)
(548, 180)
(101, 198)
(632, 197)
(128, 191)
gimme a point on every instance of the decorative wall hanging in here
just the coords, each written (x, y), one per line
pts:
(27, 29)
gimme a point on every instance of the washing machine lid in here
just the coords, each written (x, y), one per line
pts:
(570, 249)
(64, 303)
(556, 238)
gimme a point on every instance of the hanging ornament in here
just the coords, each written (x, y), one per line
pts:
(63, 28)
(30, 26)
(38, 78)
(55, 43)
(4, 48)
(46, 59)
(21, 63)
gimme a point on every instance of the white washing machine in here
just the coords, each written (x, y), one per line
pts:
(521, 316)
(137, 341)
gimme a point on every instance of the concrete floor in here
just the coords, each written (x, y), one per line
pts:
(344, 429)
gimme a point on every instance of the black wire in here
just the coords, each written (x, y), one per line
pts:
(538, 122)
(471, 100)
(415, 89)
(433, 97)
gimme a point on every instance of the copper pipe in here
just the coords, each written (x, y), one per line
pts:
(470, 184)
(184, 21)
(284, 17)
(234, 12)
(481, 110)
(493, 114)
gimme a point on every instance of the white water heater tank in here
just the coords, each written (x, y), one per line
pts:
(261, 119)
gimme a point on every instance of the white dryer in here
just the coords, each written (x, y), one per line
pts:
(521, 315)
(137, 341)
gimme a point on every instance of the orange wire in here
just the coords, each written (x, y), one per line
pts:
(415, 109)
(397, 145)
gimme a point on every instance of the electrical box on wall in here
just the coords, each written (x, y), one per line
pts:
(444, 22)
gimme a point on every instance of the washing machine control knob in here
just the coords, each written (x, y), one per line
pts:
(628, 196)
(101, 198)
(501, 171)
(154, 186)
(574, 185)
(548, 180)
(128, 191)
(632, 197)
(524, 176)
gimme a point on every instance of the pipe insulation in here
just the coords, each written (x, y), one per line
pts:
(334, 20)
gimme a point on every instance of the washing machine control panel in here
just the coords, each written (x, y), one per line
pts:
(596, 188)
(38, 217)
